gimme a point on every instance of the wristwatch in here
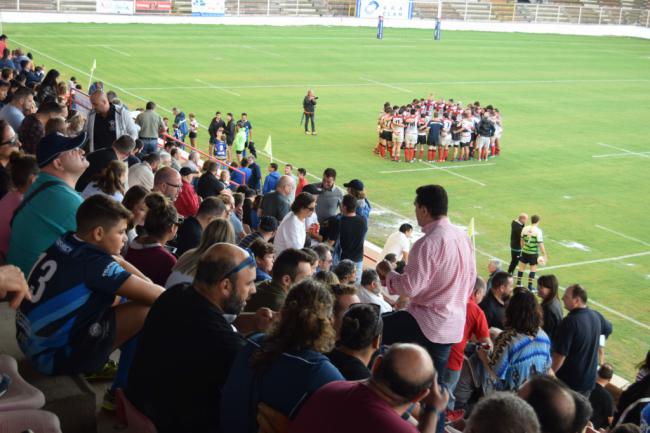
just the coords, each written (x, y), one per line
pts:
(426, 408)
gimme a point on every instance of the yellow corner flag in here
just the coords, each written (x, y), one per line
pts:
(92, 71)
(268, 148)
(471, 232)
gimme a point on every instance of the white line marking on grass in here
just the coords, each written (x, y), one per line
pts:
(645, 155)
(260, 50)
(621, 315)
(619, 155)
(572, 245)
(632, 238)
(461, 176)
(439, 168)
(212, 86)
(371, 83)
(591, 301)
(530, 82)
(385, 46)
(108, 47)
(260, 86)
(122, 89)
(588, 262)
(379, 83)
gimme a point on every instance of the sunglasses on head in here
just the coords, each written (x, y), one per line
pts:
(249, 261)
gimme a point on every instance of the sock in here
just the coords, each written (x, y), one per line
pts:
(430, 155)
(127, 354)
(444, 158)
(519, 275)
(531, 280)
(382, 150)
(421, 152)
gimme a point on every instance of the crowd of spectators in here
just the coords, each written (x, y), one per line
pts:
(239, 305)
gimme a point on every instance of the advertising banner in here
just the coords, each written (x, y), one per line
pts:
(208, 8)
(401, 9)
(146, 6)
(122, 7)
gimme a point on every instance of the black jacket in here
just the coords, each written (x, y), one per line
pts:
(309, 104)
(515, 235)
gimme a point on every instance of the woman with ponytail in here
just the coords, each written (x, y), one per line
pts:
(147, 252)
(281, 369)
(111, 182)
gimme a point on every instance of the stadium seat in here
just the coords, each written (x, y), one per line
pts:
(21, 395)
(40, 421)
(271, 420)
(136, 421)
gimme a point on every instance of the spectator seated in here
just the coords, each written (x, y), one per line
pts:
(359, 339)
(284, 367)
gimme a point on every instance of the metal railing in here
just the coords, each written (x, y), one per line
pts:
(471, 11)
(223, 165)
(569, 13)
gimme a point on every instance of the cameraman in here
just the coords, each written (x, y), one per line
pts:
(309, 106)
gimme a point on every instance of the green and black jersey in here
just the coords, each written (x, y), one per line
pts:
(532, 237)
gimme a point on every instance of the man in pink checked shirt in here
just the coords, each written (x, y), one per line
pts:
(438, 278)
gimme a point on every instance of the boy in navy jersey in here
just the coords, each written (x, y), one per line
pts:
(74, 320)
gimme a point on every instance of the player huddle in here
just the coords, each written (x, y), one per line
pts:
(438, 126)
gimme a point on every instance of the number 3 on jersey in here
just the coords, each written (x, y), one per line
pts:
(46, 271)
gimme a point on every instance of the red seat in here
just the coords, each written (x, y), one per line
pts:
(136, 421)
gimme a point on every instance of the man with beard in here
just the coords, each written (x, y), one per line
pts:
(187, 346)
(494, 304)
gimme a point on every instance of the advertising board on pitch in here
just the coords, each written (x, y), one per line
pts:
(401, 9)
(208, 8)
(122, 7)
(146, 6)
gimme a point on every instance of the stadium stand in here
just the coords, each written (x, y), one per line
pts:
(626, 12)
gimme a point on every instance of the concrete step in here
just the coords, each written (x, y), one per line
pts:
(68, 397)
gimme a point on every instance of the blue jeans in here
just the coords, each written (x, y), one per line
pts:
(451, 380)
(150, 145)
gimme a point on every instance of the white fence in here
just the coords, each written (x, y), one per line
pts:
(465, 11)
(532, 13)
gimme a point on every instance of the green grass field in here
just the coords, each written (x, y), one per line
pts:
(566, 102)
